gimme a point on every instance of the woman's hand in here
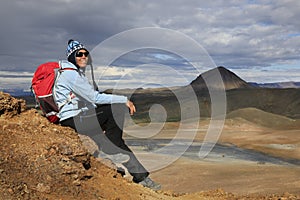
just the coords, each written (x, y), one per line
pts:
(131, 107)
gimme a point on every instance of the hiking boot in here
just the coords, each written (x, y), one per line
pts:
(115, 158)
(149, 183)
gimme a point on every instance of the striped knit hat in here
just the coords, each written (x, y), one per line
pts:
(73, 46)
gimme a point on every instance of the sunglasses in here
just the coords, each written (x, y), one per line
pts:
(80, 54)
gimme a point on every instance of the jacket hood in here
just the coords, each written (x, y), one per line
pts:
(66, 64)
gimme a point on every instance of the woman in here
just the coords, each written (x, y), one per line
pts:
(98, 115)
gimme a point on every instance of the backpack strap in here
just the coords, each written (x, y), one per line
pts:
(71, 95)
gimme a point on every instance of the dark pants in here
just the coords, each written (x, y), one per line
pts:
(105, 127)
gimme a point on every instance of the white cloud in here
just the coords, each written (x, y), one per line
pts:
(15, 80)
(146, 75)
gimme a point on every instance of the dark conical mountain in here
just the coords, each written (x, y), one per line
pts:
(211, 77)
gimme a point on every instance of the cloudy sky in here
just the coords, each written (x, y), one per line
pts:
(153, 43)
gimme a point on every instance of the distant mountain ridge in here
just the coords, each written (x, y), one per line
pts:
(17, 92)
(290, 84)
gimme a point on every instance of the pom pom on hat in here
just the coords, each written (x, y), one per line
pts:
(73, 46)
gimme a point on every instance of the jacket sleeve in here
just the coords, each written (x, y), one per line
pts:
(83, 89)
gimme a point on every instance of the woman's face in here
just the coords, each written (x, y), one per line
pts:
(81, 57)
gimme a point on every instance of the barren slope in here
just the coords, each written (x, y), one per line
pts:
(39, 160)
(263, 118)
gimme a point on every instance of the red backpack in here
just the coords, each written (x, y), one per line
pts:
(42, 85)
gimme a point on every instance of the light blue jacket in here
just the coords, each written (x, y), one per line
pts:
(72, 86)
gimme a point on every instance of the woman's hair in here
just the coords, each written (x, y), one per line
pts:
(71, 58)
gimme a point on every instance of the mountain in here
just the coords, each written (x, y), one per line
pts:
(230, 80)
